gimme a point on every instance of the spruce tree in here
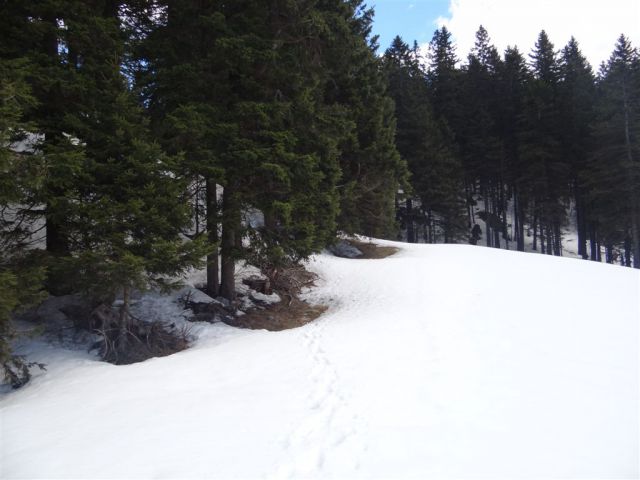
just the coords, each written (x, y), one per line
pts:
(426, 144)
(480, 145)
(21, 175)
(183, 76)
(613, 174)
(130, 209)
(514, 78)
(547, 172)
(371, 168)
(577, 95)
(37, 33)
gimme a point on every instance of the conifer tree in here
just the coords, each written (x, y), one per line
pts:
(183, 75)
(444, 79)
(547, 172)
(21, 270)
(613, 174)
(480, 145)
(371, 168)
(130, 210)
(577, 95)
(425, 143)
(514, 78)
(256, 122)
(37, 33)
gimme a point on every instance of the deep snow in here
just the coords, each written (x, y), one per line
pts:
(442, 361)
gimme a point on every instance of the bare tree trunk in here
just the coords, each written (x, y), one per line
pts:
(593, 243)
(627, 251)
(123, 321)
(411, 238)
(535, 230)
(582, 226)
(213, 282)
(557, 240)
(230, 228)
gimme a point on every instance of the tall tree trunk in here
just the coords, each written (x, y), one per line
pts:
(467, 193)
(411, 237)
(557, 240)
(535, 230)
(593, 243)
(487, 209)
(519, 213)
(635, 234)
(627, 251)
(213, 281)
(124, 318)
(230, 229)
(581, 225)
(56, 242)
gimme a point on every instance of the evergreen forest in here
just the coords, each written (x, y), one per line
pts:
(140, 139)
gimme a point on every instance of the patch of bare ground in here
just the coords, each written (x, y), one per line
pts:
(372, 251)
(279, 316)
(291, 312)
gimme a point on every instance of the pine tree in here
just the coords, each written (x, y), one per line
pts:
(547, 172)
(21, 270)
(613, 174)
(263, 131)
(183, 75)
(514, 78)
(130, 211)
(425, 143)
(576, 94)
(37, 33)
(444, 79)
(371, 168)
(480, 145)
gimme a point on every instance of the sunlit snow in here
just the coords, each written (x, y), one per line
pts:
(441, 361)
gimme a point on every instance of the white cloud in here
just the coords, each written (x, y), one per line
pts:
(596, 24)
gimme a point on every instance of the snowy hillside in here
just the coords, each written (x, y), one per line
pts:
(442, 361)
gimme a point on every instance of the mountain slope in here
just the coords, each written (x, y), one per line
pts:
(442, 361)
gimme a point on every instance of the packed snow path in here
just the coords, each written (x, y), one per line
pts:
(438, 362)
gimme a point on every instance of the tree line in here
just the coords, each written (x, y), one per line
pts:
(519, 141)
(142, 138)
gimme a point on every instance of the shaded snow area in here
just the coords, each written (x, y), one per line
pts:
(442, 361)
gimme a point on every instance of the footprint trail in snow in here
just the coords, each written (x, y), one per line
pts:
(327, 438)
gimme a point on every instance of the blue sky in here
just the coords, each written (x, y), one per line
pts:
(596, 24)
(411, 19)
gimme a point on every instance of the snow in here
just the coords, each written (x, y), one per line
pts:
(441, 361)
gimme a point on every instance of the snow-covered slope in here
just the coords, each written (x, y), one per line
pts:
(438, 362)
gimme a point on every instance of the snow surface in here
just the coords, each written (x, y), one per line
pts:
(442, 361)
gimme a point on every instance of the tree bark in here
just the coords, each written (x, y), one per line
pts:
(213, 281)
(582, 227)
(230, 229)
(411, 237)
(592, 243)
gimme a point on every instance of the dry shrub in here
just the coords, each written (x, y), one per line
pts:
(138, 340)
(289, 281)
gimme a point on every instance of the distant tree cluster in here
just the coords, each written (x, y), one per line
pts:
(527, 138)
